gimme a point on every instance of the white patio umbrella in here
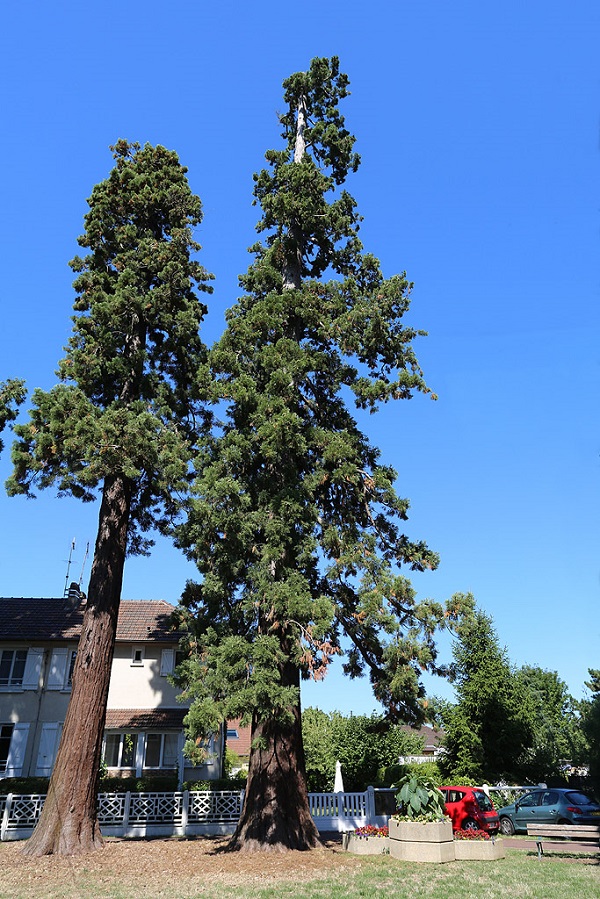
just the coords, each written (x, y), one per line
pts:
(338, 784)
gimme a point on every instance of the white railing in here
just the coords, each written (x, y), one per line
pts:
(188, 813)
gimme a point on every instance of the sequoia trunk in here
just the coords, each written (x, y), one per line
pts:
(69, 823)
(276, 815)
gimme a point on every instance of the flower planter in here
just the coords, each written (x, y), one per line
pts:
(413, 841)
(479, 850)
(366, 845)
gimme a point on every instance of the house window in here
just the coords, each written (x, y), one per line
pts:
(137, 655)
(6, 732)
(71, 666)
(120, 750)
(232, 733)
(12, 667)
(162, 751)
(60, 674)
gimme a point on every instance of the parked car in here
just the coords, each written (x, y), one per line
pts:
(470, 809)
(548, 806)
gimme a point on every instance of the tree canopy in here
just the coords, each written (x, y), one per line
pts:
(365, 745)
(487, 731)
(131, 382)
(296, 526)
(555, 721)
(122, 421)
(12, 394)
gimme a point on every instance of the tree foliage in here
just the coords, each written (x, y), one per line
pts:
(591, 727)
(555, 723)
(12, 394)
(487, 732)
(128, 400)
(123, 422)
(365, 745)
(296, 527)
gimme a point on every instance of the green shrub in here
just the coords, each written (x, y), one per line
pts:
(223, 783)
(24, 785)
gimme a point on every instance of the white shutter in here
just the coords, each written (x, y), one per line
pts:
(58, 669)
(16, 752)
(33, 668)
(49, 740)
(167, 662)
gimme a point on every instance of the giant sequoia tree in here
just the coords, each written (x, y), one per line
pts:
(121, 423)
(296, 526)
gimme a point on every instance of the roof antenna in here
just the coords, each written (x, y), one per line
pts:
(87, 551)
(66, 590)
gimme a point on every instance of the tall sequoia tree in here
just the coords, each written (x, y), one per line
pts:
(122, 423)
(296, 526)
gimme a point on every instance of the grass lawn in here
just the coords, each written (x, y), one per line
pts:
(186, 869)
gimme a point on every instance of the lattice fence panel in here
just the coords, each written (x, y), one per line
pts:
(111, 808)
(25, 811)
(156, 808)
(207, 807)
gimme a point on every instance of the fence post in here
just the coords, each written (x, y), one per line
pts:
(6, 816)
(370, 797)
(126, 811)
(185, 806)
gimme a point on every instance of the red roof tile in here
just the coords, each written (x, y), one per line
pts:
(140, 620)
(144, 719)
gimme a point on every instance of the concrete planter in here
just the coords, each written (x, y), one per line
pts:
(479, 850)
(413, 841)
(366, 845)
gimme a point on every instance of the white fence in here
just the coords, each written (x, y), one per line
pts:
(193, 813)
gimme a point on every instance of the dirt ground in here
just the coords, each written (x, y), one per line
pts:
(154, 864)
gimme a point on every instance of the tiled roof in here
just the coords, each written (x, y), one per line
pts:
(144, 719)
(140, 620)
(432, 736)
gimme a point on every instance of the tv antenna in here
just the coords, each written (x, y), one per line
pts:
(69, 561)
(85, 555)
(68, 584)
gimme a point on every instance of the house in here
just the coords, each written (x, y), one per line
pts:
(144, 723)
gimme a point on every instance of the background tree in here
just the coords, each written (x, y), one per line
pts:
(12, 394)
(296, 527)
(122, 421)
(487, 732)
(364, 744)
(555, 723)
(591, 728)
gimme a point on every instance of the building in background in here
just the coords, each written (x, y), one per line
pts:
(144, 723)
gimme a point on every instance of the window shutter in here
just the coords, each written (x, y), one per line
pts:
(33, 668)
(58, 669)
(48, 748)
(167, 662)
(16, 753)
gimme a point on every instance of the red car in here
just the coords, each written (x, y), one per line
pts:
(470, 809)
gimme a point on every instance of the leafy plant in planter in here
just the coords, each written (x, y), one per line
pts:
(421, 831)
(418, 799)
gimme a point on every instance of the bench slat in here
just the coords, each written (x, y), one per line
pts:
(570, 832)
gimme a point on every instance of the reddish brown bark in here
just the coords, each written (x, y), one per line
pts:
(69, 824)
(276, 815)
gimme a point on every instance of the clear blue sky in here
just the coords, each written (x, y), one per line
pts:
(478, 129)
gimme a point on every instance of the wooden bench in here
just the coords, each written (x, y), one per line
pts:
(572, 832)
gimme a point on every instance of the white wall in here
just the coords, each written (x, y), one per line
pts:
(140, 686)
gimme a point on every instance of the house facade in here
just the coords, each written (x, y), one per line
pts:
(144, 732)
